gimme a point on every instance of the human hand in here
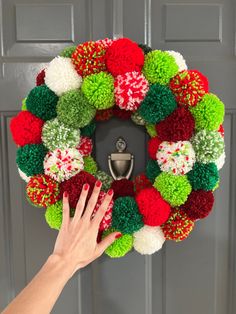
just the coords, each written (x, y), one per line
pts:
(76, 242)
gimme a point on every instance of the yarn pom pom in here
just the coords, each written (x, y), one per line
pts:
(106, 42)
(53, 215)
(220, 161)
(23, 175)
(208, 146)
(42, 190)
(152, 170)
(153, 145)
(124, 56)
(29, 158)
(130, 90)
(199, 204)
(23, 105)
(203, 176)
(63, 164)
(221, 130)
(90, 165)
(26, 128)
(179, 59)
(151, 129)
(158, 104)
(67, 52)
(178, 126)
(189, 87)
(42, 102)
(89, 129)
(104, 114)
(178, 226)
(148, 240)
(122, 187)
(105, 179)
(121, 113)
(125, 215)
(85, 146)
(208, 113)
(57, 135)
(61, 76)
(74, 110)
(107, 218)
(174, 189)
(99, 90)
(146, 49)
(137, 119)
(176, 157)
(152, 207)
(40, 78)
(141, 182)
(121, 246)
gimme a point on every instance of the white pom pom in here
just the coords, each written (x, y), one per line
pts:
(148, 240)
(23, 176)
(61, 76)
(179, 59)
(220, 161)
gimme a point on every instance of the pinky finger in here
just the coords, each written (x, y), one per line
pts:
(66, 209)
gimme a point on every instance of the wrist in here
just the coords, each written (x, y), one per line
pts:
(60, 264)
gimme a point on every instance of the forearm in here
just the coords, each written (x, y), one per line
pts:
(40, 295)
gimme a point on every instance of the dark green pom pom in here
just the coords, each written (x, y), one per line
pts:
(146, 49)
(152, 170)
(67, 52)
(89, 129)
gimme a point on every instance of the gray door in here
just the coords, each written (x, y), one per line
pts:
(195, 276)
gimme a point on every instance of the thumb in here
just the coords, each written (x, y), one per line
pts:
(107, 241)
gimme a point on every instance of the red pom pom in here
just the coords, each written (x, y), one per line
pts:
(153, 145)
(85, 146)
(106, 42)
(124, 56)
(107, 218)
(221, 130)
(154, 209)
(121, 113)
(26, 128)
(141, 182)
(40, 78)
(74, 186)
(123, 187)
(189, 86)
(178, 126)
(104, 114)
(199, 204)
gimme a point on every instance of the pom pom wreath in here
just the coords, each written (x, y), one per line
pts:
(208, 113)
(146, 49)
(40, 78)
(179, 59)
(199, 204)
(176, 157)
(85, 146)
(220, 161)
(90, 165)
(56, 134)
(130, 90)
(137, 119)
(106, 42)
(178, 226)
(151, 129)
(23, 176)
(125, 215)
(88, 130)
(29, 158)
(159, 67)
(107, 218)
(141, 182)
(158, 104)
(124, 56)
(74, 110)
(53, 215)
(121, 246)
(23, 107)
(42, 102)
(153, 145)
(67, 52)
(63, 164)
(189, 87)
(89, 58)
(122, 187)
(42, 190)
(221, 130)
(208, 146)
(105, 179)
(121, 113)
(99, 90)
(153, 208)
(148, 240)
(104, 114)
(61, 76)
(152, 170)
(203, 176)
(174, 189)
(178, 126)
(74, 186)
(26, 128)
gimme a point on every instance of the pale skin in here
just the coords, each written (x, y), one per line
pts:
(76, 246)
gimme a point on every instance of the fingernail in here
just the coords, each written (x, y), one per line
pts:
(65, 194)
(98, 184)
(110, 192)
(118, 235)
(86, 186)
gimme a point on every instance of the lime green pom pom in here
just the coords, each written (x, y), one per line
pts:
(174, 189)
(67, 52)
(217, 185)
(53, 215)
(90, 165)
(208, 113)
(99, 90)
(152, 170)
(105, 179)
(24, 107)
(74, 110)
(151, 129)
(121, 246)
(159, 67)
(89, 129)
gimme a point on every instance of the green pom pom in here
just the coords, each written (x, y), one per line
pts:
(125, 215)
(74, 110)
(208, 113)
(105, 179)
(174, 189)
(57, 135)
(23, 107)
(53, 215)
(137, 119)
(146, 49)
(159, 67)
(89, 129)
(158, 104)
(152, 170)
(42, 102)
(99, 90)
(203, 176)
(67, 52)
(151, 129)
(217, 185)
(90, 165)
(29, 158)
(208, 146)
(121, 246)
